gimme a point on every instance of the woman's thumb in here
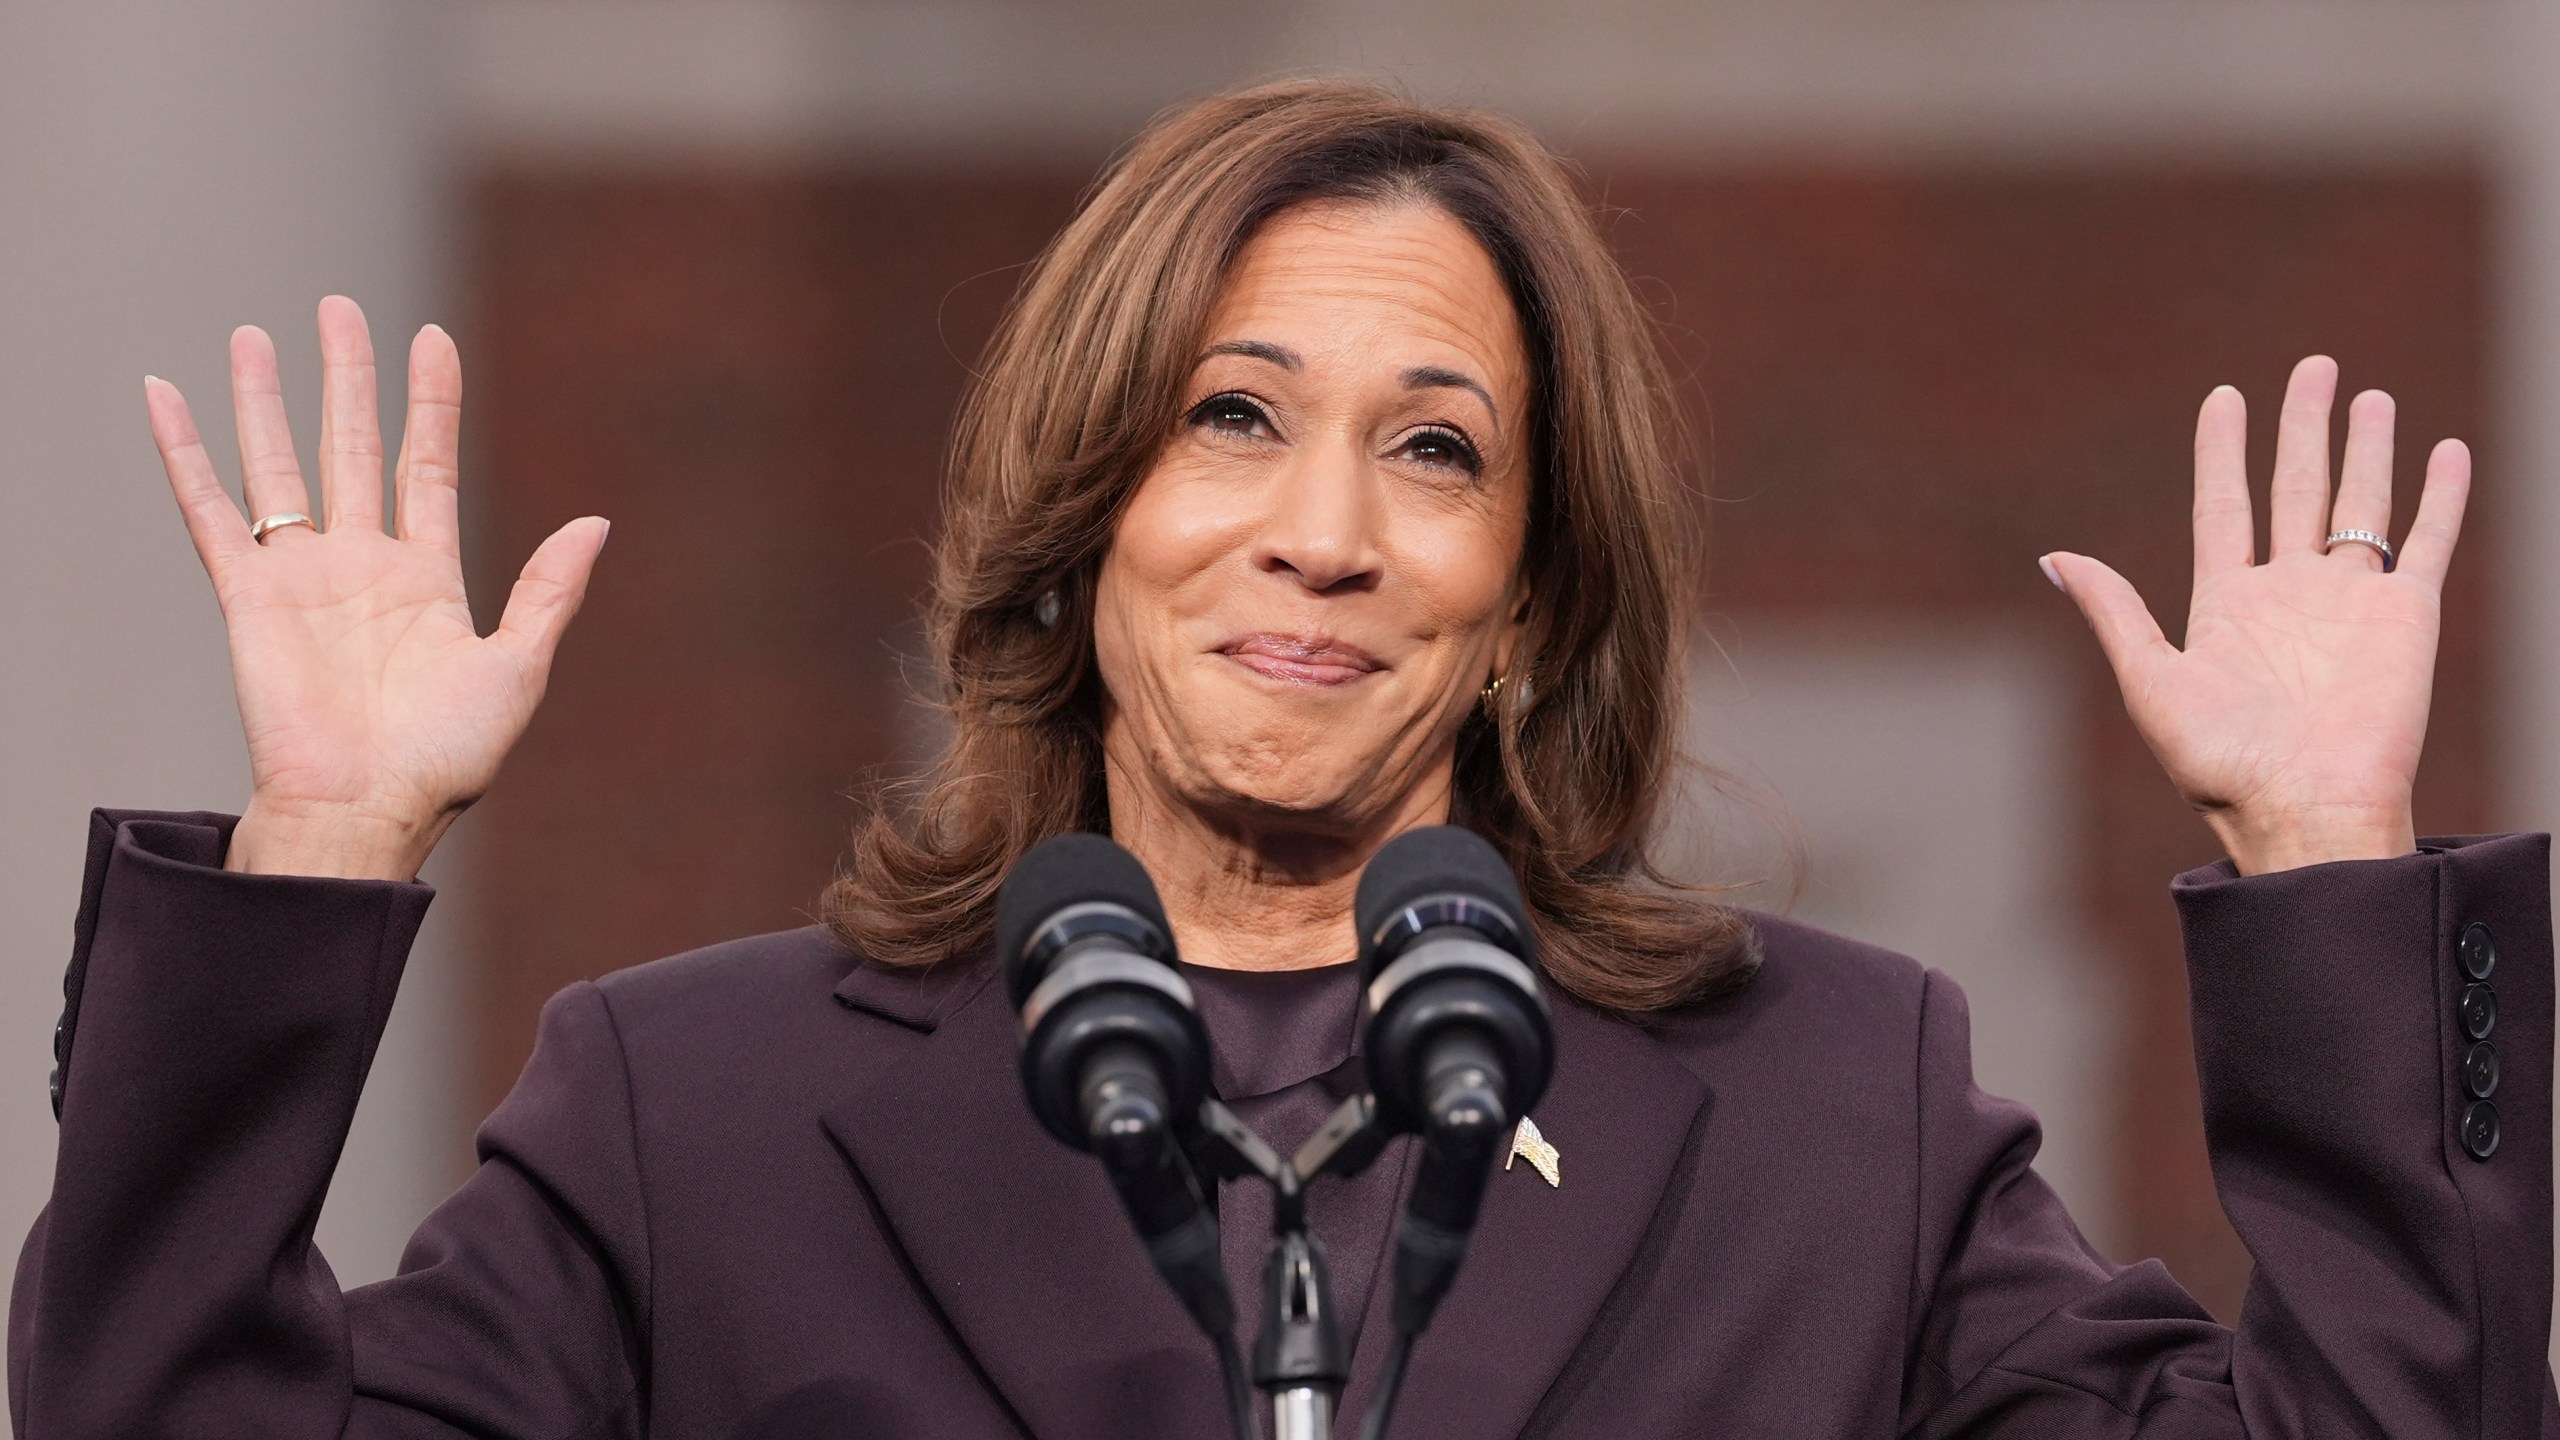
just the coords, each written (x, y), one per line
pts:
(2113, 608)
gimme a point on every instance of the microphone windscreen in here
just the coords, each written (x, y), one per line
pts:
(1435, 860)
(1074, 869)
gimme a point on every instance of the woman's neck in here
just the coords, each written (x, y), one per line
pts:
(1252, 895)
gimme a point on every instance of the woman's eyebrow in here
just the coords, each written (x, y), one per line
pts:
(1419, 377)
(1280, 355)
(1433, 377)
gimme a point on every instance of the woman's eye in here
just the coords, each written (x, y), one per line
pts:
(1444, 447)
(1232, 413)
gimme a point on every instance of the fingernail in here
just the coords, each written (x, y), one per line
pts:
(2045, 564)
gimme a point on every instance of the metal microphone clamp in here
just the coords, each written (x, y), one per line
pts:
(1299, 1363)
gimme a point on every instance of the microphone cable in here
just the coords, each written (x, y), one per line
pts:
(1383, 1404)
(1239, 1386)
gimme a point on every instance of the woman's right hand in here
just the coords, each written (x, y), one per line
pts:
(375, 712)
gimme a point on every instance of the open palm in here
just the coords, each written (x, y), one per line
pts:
(2293, 717)
(374, 710)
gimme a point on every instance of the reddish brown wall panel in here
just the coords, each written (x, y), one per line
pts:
(750, 379)
(1909, 385)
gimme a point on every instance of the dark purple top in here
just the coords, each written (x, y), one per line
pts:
(770, 1189)
(1285, 1047)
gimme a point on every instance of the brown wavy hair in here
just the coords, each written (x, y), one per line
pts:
(1080, 388)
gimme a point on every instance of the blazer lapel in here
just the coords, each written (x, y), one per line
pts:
(1022, 1247)
(1620, 1111)
(1017, 1240)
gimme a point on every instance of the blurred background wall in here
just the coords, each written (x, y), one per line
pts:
(1946, 279)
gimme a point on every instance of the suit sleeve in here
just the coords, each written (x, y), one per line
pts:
(2402, 1244)
(217, 1036)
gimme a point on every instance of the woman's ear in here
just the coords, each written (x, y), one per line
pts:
(1506, 646)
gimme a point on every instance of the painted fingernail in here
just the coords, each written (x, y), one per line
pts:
(2045, 564)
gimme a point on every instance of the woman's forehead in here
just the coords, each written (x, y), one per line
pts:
(1392, 285)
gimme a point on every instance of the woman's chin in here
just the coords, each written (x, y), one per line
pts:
(1302, 795)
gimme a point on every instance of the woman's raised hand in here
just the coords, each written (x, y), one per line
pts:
(2293, 717)
(375, 712)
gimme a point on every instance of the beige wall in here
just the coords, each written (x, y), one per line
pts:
(2527, 146)
(2046, 79)
(168, 172)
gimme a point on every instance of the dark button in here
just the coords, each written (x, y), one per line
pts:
(2479, 1011)
(2480, 1129)
(61, 1033)
(55, 1085)
(2478, 951)
(2480, 1070)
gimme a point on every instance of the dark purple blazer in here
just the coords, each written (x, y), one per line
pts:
(766, 1189)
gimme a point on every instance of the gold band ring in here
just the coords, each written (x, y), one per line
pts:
(260, 531)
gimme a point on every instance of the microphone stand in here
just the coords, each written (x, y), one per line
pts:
(1299, 1363)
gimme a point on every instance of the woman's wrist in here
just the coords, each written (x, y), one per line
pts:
(337, 842)
(2261, 844)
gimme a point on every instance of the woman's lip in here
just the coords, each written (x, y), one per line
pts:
(1306, 660)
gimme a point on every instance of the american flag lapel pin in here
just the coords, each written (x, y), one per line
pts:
(1527, 1144)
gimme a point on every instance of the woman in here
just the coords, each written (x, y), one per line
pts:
(1316, 488)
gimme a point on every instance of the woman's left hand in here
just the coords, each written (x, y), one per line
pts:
(2293, 717)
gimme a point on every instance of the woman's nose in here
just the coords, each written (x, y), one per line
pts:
(1321, 526)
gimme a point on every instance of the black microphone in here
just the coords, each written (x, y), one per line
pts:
(1459, 1042)
(1114, 1057)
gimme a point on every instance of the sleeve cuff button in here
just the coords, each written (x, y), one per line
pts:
(2480, 1071)
(2479, 1011)
(2478, 951)
(2480, 1129)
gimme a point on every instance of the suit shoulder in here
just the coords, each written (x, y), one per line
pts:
(1789, 945)
(744, 978)
(1814, 989)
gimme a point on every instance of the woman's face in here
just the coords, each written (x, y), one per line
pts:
(1322, 568)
